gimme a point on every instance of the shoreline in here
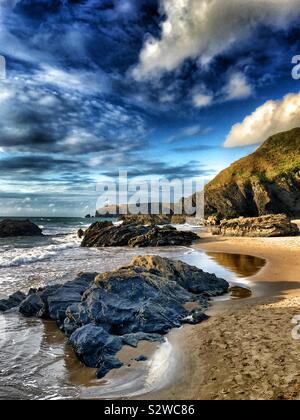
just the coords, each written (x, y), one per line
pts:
(245, 350)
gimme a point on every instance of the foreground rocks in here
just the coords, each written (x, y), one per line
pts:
(141, 301)
(11, 228)
(105, 234)
(264, 226)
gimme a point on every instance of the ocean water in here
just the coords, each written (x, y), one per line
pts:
(36, 361)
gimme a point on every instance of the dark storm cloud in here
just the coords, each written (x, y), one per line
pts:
(34, 164)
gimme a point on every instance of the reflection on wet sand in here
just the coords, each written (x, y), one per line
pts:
(241, 265)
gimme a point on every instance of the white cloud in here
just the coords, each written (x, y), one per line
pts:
(268, 119)
(201, 99)
(238, 87)
(205, 28)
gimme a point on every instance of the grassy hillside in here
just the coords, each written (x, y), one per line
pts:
(278, 155)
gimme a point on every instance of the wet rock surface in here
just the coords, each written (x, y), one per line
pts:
(14, 228)
(264, 226)
(13, 301)
(141, 301)
(105, 234)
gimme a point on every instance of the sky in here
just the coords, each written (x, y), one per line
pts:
(157, 88)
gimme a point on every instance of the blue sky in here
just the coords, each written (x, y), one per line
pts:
(173, 88)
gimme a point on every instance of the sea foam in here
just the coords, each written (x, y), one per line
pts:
(19, 257)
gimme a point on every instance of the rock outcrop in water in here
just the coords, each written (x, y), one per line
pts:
(13, 301)
(14, 228)
(105, 234)
(141, 301)
(265, 182)
(264, 226)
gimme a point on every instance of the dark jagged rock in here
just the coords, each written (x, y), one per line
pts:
(14, 228)
(264, 226)
(145, 300)
(53, 301)
(105, 234)
(12, 302)
(141, 301)
(141, 358)
(96, 348)
(80, 233)
(265, 182)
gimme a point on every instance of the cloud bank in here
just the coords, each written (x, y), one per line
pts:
(205, 28)
(270, 118)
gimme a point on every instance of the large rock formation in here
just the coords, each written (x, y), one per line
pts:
(142, 301)
(263, 226)
(105, 234)
(266, 182)
(11, 227)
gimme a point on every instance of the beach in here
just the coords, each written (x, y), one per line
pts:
(246, 349)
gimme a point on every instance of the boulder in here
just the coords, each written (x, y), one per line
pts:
(105, 234)
(12, 302)
(264, 226)
(140, 301)
(11, 228)
(80, 233)
(96, 348)
(52, 302)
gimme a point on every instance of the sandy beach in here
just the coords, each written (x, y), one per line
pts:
(246, 349)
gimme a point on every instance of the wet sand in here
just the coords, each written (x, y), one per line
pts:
(246, 349)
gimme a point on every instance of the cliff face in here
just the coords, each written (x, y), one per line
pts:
(265, 182)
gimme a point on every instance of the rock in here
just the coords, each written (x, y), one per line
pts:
(52, 302)
(178, 219)
(213, 220)
(145, 300)
(146, 219)
(105, 234)
(88, 216)
(34, 305)
(264, 226)
(12, 302)
(11, 228)
(95, 348)
(80, 233)
(265, 182)
(141, 358)
(141, 301)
